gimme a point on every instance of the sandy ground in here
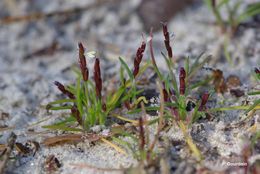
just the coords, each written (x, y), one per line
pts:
(26, 81)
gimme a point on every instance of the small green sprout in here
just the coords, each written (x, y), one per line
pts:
(234, 16)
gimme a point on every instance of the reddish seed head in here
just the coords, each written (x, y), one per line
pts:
(82, 62)
(127, 105)
(104, 107)
(64, 90)
(182, 73)
(167, 40)
(138, 58)
(257, 71)
(204, 101)
(82, 58)
(165, 94)
(75, 113)
(97, 78)
(182, 77)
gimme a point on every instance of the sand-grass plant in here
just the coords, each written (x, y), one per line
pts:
(235, 16)
(85, 99)
(175, 93)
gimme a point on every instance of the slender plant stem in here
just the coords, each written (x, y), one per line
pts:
(233, 108)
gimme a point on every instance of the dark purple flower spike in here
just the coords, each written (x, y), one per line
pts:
(182, 77)
(167, 40)
(204, 100)
(75, 113)
(138, 58)
(82, 62)
(97, 78)
(64, 90)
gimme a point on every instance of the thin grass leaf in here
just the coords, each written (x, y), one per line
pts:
(255, 138)
(61, 101)
(77, 71)
(172, 76)
(135, 122)
(79, 97)
(56, 108)
(222, 3)
(226, 52)
(254, 106)
(124, 144)
(254, 93)
(141, 99)
(92, 116)
(252, 10)
(196, 61)
(65, 121)
(195, 115)
(248, 108)
(122, 78)
(62, 127)
(71, 89)
(114, 100)
(197, 66)
(182, 107)
(117, 148)
(201, 83)
(129, 72)
(143, 68)
(138, 110)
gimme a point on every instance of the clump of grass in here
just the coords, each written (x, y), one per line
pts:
(176, 94)
(234, 16)
(86, 101)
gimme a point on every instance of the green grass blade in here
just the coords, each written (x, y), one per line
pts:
(254, 93)
(79, 97)
(56, 108)
(252, 10)
(62, 101)
(62, 127)
(257, 102)
(129, 72)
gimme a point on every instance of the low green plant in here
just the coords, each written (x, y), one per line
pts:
(235, 15)
(176, 95)
(87, 104)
